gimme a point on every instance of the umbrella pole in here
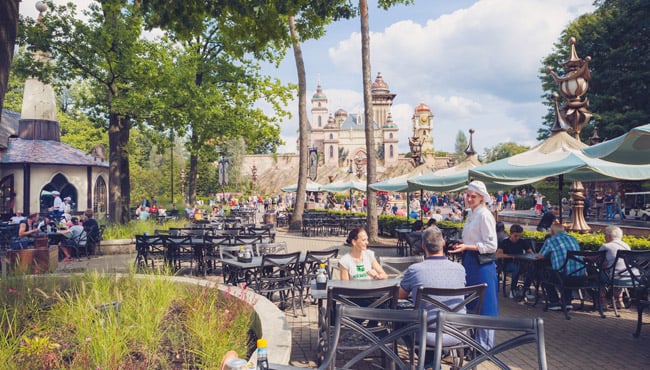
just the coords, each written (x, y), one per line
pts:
(421, 210)
(408, 207)
(560, 182)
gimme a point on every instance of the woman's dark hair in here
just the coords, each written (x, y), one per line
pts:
(500, 226)
(354, 233)
(418, 225)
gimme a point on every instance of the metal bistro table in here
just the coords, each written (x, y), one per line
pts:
(321, 294)
(235, 271)
(528, 262)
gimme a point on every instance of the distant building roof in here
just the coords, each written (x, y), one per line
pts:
(47, 152)
(8, 127)
(352, 122)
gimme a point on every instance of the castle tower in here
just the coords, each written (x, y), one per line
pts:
(390, 131)
(331, 142)
(382, 100)
(422, 125)
(319, 115)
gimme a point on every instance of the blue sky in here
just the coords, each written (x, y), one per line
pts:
(474, 63)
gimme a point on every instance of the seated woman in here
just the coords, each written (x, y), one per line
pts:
(360, 263)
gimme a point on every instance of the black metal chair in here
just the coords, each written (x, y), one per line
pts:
(280, 273)
(381, 297)
(589, 274)
(449, 300)
(636, 277)
(399, 324)
(78, 243)
(149, 248)
(457, 325)
(396, 266)
(312, 263)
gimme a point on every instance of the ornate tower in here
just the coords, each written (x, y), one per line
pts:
(331, 142)
(318, 118)
(382, 101)
(422, 125)
(390, 141)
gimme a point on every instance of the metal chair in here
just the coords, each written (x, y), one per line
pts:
(396, 266)
(399, 324)
(589, 274)
(78, 243)
(279, 273)
(148, 249)
(636, 276)
(456, 325)
(271, 248)
(449, 300)
(310, 267)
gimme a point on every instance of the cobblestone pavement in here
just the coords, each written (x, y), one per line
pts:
(584, 342)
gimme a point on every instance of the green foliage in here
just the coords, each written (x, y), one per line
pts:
(503, 150)
(109, 322)
(617, 37)
(460, 146)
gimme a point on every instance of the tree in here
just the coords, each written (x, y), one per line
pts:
(617, 36)
(371, 165)
(460, 146)
(8, 31)
(503, 150)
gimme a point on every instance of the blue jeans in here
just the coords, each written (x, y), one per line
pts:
(609, 211)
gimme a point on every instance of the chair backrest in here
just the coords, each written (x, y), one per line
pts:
(284, 265)
(396, 266)
(401, 324)
(380, 297)
(248, 239)
(584, 264)
(228, 252)
(450, 299)
(637, 267)
(531, 330)
(272, 248)
(313, 259)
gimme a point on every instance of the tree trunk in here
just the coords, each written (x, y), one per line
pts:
(8, 29)
(191, 177)
(371, 166)
(299, 207)
(118, 173)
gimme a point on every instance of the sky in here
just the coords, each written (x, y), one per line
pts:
(475, 63)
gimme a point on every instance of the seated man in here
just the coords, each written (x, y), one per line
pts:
(17, 218)
(556, 248)
(435, 271)
(414, 238)
(506, 249)
(71, 233)
(547, 219)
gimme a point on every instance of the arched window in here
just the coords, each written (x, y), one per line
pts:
(331, 136)
(331, 151)
(320, 121)
(390, 150)
(99, 196)
(59, 183)
(390, 136)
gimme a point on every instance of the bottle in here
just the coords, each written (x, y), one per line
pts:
(262, 355)
(248, 254)
(240, 255)
(321, 277)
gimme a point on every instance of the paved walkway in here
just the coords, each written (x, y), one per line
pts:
(584, 342)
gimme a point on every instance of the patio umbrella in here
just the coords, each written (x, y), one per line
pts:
(396, 184)
(630, 148)
(448, 179)
(311, 187)
(344, 185)
(560, 154)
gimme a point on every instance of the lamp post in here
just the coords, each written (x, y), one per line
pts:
(254, 175)
(573, 85)
(224, 173)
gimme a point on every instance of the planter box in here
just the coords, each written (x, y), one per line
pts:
(34, 261)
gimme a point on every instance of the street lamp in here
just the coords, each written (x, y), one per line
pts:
(254, 175)
(224, 172)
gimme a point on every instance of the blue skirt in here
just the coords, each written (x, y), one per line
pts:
(478, 274)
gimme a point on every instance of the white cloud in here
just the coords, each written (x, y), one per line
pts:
(476, 67)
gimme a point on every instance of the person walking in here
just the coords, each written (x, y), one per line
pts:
(479, 248)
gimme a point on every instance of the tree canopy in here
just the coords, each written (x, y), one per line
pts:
(617, 37)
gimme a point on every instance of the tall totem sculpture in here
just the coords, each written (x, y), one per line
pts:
(575, 112)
